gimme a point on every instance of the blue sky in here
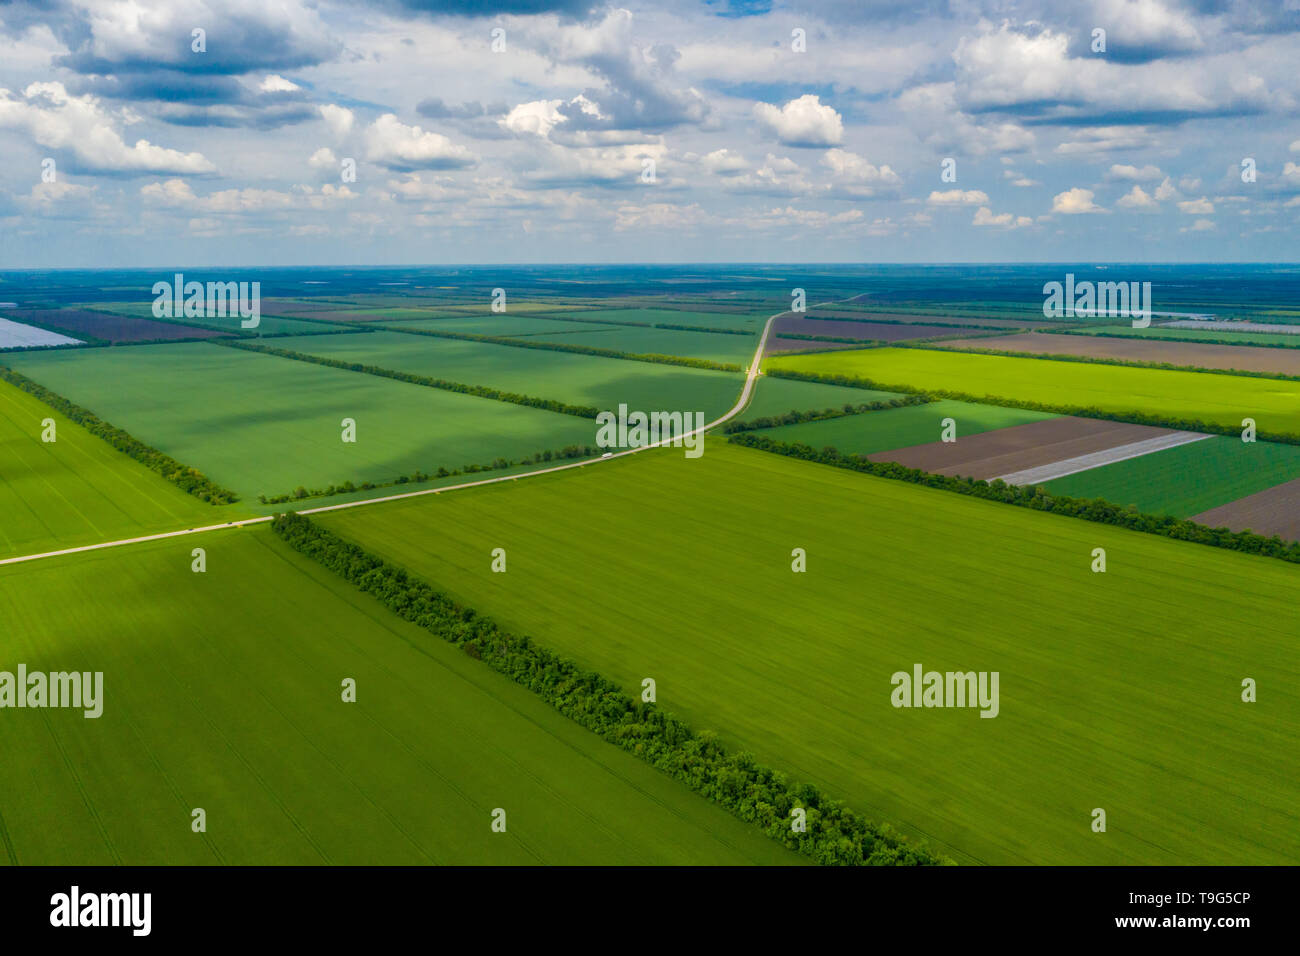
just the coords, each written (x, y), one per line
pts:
(418, 131)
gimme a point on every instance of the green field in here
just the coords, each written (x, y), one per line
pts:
(1118, 691)
(705, 320)
(776, 396)
(509, 325)
(1189, 479)
(267, 324)
(714, 346)
(871, 432)
(234, 706)
(1218, 399)
(564, 376)
(78, 489)
(260, 424)
(1195, 335)
(404, 314)
(483, 305)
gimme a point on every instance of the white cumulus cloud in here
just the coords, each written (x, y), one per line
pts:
(802, 122)
(393, 144)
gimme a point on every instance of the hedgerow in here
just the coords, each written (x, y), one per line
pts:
(420, 477)
(1037, 497)
(755, 793)
(1089, 411)
(479, 391)
(576, 349)
(189, 479)
(794, 417)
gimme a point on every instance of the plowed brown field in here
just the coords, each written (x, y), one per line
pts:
(1273, 511)
(1196, 354)
(1007, 450)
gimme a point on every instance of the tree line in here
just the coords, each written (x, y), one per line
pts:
(834, 834)
(1099, 360)
(189, 479)
(654, 357)
(1081, 411)
(1038, 498)
(479, 391)
(419, 477)
(795, 417)
(1200, 339)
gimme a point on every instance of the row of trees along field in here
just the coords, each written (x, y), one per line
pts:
(832, 834)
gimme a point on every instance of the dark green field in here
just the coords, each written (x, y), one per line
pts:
(234, 705)
(886, 430)
(261, 424)
(1189, 479)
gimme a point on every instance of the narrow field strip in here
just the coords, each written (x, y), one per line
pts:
(1034, 476)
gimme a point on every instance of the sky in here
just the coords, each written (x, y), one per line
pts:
(311, 132)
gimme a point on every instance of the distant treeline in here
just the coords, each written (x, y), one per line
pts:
(478, 391)
(565, 317)
(1081, 411)
(1037, 498)
(190, 479)
(757, 794)
(87, 342)
(419, 477)
(576, 349)
(704, 328)
(794, 417)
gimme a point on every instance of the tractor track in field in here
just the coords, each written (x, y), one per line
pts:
(746, 393)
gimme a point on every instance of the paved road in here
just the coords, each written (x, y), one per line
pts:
(750, 379)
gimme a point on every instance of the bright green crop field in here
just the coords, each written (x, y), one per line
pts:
(77, 489)
(893, 428)
(564, 376)
(1219, 399)
(235, 707)
(1117, 690)
(1188, 479)
(261, 424)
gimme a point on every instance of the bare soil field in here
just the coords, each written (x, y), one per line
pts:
(974, 321)
(1004, 451)
(1275, 361)
(1273, 511)
(112, 328)
(878, 331)
(778, 344)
